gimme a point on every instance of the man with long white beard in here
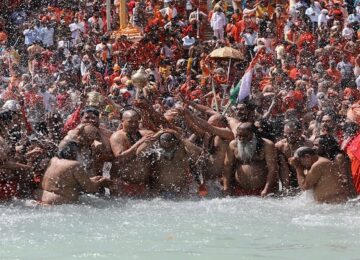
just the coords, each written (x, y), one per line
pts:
(250, 164)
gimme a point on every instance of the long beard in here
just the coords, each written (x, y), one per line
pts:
(246, 150)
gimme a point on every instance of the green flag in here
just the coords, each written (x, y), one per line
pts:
(234, 93)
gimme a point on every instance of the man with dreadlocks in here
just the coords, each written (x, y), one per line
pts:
(250, 164)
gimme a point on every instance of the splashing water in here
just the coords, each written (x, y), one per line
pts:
(230, 228)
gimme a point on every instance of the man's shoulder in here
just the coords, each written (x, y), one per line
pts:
(322, 163)
(119, 134)
(65, 162)
(145, 132)
(267, 142)
(232, 144)
(280, 144)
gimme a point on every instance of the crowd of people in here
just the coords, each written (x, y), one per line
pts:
(85, 109)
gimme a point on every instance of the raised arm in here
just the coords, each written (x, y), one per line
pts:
(224, 133)
(201, 108)
(308, 181)
(120, 152)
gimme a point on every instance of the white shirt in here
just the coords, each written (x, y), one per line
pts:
(49, 101)
(92, 21)
(322, 19)
(29, 36)
(188, 41)
(218, 21)
(76, 30)
(313, 12)
(37, 33)
(347, 33)
(47, 36)
(100, 47)
(169, 12)
(250, 38)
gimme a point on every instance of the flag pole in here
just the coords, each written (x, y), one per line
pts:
(214, 93)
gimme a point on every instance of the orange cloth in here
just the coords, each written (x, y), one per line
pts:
(238, 191)
(335, 74)
(73, 121)
(351, 93)
(132, 189)
(353, 151)
(202, 190)
(3, 37)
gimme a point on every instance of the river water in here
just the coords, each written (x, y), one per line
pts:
(229, 228)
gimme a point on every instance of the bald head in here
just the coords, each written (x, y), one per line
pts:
(130, 113)
(131, 121)
(245, 131)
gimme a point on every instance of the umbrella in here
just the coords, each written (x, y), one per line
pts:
(227, 53)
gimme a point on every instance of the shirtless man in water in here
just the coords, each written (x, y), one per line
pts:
(96, 150)
(321, 175)
(130, 171)
(286, 148)
(250, 164)
(65, 178)
(169, 156)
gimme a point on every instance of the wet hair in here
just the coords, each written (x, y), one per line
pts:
(304, 150)
(68, 150)
(92, 110)
(168, 137)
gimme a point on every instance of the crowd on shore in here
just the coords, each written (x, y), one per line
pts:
(275, 112)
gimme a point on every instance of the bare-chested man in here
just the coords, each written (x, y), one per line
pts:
(94, 141)
(65, 178)
(86, 136)
(286, 148)
(169, 155)
(321, 175)
(130, 172)
(215, 136)
(250, 164)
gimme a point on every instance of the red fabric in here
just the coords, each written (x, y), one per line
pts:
(8, 190)
(25, 120)
(238, 191)
(61, 100)
(351, 93)
(73, 121)
(353, 151)
(202, 190)
(308, 38)
(132, 189)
